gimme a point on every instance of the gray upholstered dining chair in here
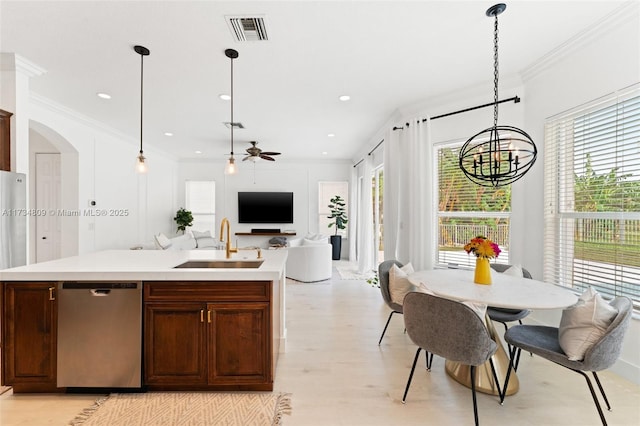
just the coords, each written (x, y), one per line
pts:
(383, 279)
(543, 341)
(506, 315)
(449, 329)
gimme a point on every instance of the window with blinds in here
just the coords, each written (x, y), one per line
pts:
(200, 199)
(592, 197)
(466, 210)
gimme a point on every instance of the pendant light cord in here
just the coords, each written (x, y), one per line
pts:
(141, 96)
(232, 123)
(495, 72)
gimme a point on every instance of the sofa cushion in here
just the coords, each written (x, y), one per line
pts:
(584, 323)
(204, 239)
(182, 242)
(162, 241)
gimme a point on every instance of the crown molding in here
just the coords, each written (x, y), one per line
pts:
(96, 125)
(17, 63)
(627, 12)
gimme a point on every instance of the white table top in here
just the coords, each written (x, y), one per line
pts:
(505, 291)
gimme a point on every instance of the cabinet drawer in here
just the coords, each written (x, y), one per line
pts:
(207, 290)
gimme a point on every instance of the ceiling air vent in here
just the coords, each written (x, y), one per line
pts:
(248, 28)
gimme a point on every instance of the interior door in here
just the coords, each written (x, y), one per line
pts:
(48, 235)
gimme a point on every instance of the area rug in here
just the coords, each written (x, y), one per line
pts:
(187, 408)
(350, 272)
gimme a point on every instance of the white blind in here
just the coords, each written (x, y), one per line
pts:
(466, 210)
(592, 196)
(200, 199)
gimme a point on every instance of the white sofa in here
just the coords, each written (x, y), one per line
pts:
(190, 240)
(309, 260)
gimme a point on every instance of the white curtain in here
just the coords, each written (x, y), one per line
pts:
(365, 219)
(409, 195)
(352, 226)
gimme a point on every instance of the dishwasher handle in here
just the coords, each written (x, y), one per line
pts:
(100, 292)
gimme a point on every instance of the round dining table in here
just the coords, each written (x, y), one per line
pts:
(506, 291)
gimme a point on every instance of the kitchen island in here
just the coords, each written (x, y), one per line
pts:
(212, 324)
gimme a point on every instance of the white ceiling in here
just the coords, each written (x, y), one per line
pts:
(385, 54)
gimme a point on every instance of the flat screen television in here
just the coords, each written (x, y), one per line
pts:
(265, 207)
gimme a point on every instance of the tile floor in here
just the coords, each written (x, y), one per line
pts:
(338, 375)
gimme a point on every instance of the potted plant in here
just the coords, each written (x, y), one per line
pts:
(337, 207)
(183, 219)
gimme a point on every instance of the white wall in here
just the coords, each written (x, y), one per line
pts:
(299, 177)
(102, 165)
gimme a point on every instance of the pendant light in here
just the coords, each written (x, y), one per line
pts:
(499, 155)
(141, 165)
(231, 169)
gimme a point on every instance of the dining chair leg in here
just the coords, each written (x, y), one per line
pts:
(473, 393)
(413, 368)
(385, 326)
(512, 355)
(594, 396)
(429, 359)
(602, 390)
(495, 379)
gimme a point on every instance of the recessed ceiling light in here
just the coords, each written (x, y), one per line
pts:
(103, 95)
(331, 135)
(344, 98)
(198, 152)
(324, 152)
(224, 97)
(168, 134)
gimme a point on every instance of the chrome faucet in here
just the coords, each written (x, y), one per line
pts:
(229, 249)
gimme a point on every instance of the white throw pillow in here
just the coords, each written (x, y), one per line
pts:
(514, 271)
(162, 241)
(204, 239)
(182, 242)
(399, 284)
(584, 323)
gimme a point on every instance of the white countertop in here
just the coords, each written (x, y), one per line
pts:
(149, 265)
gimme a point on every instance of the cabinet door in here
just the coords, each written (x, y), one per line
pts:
(30, 326)
(175, 344)
(239, 343)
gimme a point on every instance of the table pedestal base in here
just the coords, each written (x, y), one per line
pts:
(484, 377)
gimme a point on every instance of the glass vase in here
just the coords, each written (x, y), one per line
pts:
(483, 271)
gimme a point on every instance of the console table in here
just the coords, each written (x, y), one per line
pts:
(266, 234)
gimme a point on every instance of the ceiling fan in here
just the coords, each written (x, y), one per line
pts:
(254, 153)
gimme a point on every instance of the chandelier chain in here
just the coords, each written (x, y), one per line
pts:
(495, 71)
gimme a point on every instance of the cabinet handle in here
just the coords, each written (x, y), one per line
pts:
(209, 316)
(51, 296)
(201, 315)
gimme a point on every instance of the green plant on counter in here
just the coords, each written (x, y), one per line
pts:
(183, 219)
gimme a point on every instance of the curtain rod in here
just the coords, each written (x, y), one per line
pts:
(370, 152)
(515, 99)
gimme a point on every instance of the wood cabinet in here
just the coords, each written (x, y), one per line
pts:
(5, 140)
(208, 335)
(29, 336)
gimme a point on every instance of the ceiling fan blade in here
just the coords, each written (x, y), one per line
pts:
(246, 157)
(266, 157)
(270, 153)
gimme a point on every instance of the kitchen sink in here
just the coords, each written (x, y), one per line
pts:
(223, 264)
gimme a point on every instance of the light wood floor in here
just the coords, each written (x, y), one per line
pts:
(338, 375)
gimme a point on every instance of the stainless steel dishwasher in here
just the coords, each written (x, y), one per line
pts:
(100, 334)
